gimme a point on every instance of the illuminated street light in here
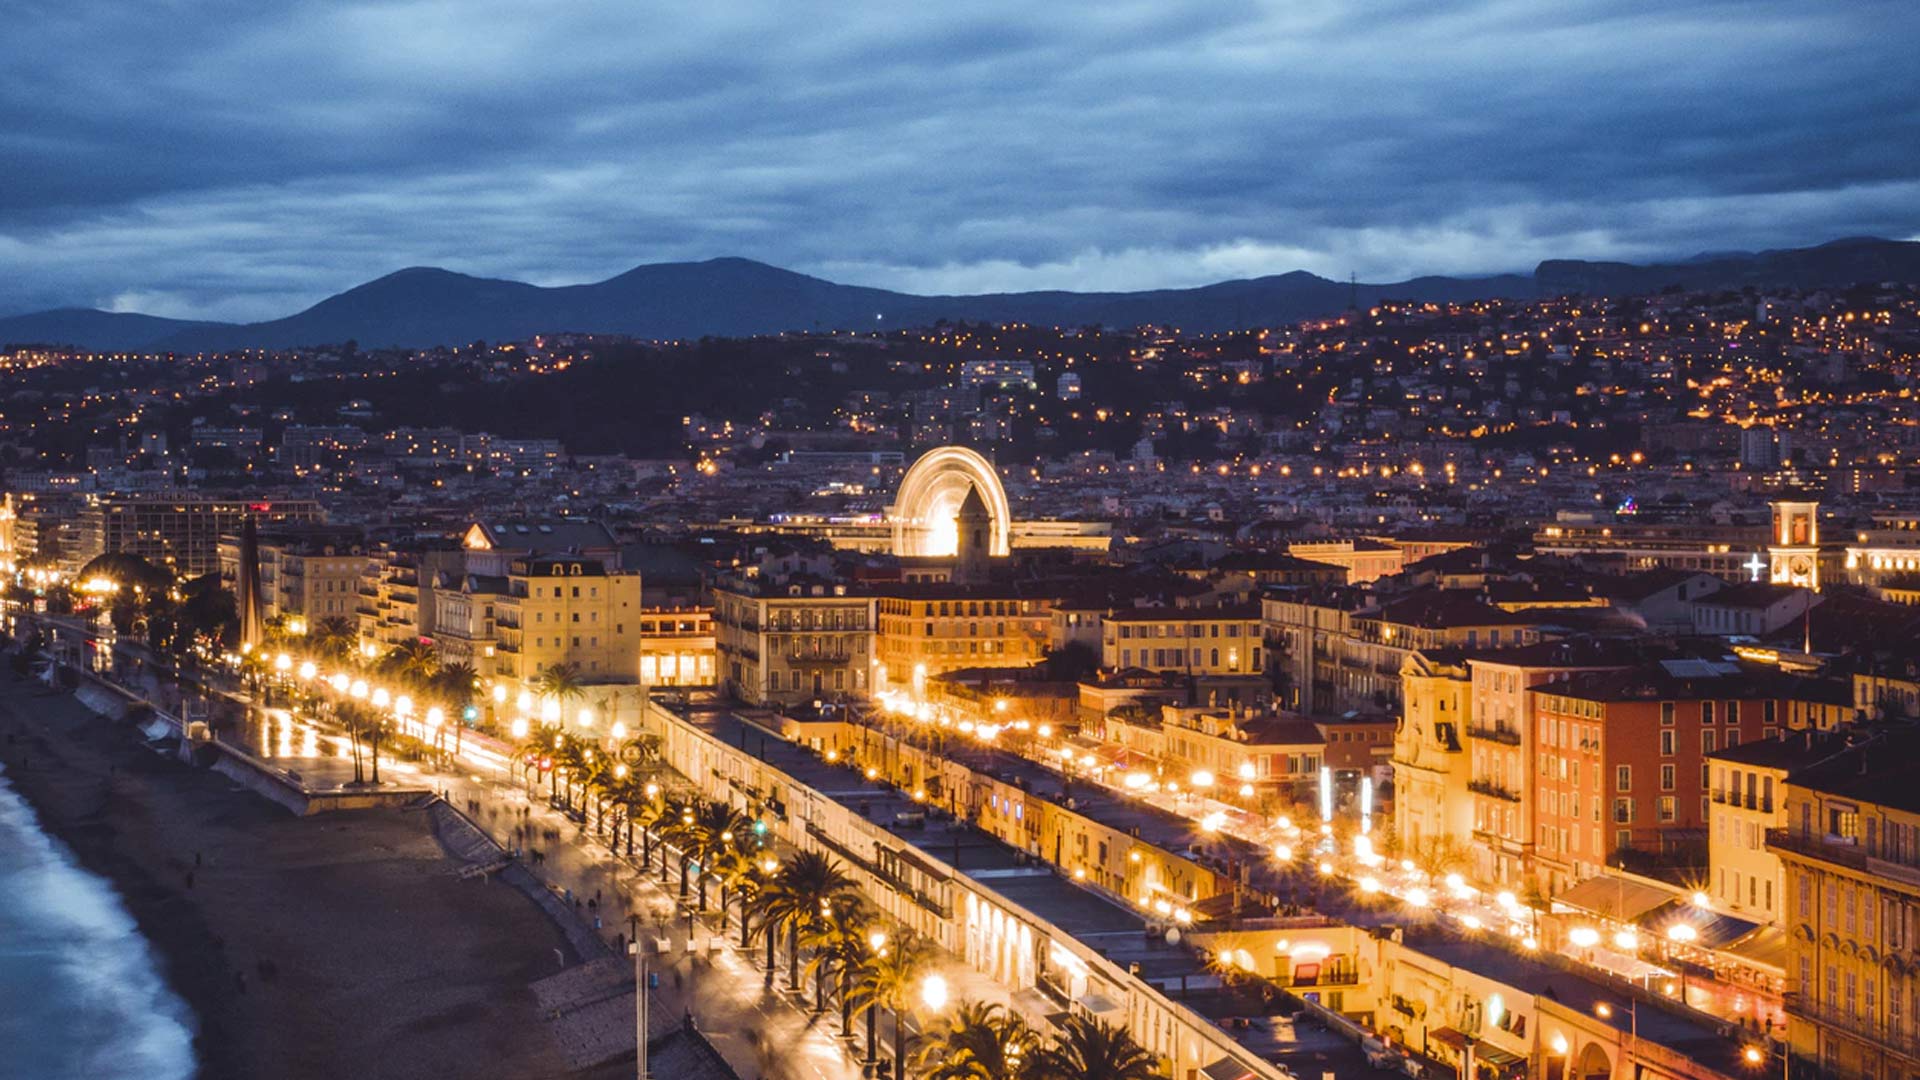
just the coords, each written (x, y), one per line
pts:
(933, 992)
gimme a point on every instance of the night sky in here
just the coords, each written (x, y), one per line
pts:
(241, 160)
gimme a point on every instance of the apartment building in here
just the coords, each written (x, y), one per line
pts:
(1221, 640)
(567, 609)
(1623, 759)
(1237, 752)
(1342, 649)
(1363, 560)
(1850, 852)
(1502, 746)
(307, 574)
(1750, 780)
(790, 638)
(941, 627)
(182, 533)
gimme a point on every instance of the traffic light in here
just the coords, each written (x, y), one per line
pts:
(470, 713)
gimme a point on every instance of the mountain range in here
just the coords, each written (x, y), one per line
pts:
(424, 306)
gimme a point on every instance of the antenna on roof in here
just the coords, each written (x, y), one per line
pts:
(1353, 290)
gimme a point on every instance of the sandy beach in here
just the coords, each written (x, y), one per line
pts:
(328, 946)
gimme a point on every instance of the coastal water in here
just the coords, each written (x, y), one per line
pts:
(80, 991)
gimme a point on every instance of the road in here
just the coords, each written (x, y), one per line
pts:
(760, 1033)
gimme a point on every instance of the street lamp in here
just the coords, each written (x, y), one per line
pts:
(933, 992)
(1682, 934)
(877, 941)
(1605, 1012)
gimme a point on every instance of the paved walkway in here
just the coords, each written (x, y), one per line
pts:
(760, 1033)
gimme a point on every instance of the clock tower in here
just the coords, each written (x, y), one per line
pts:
(1794, 553)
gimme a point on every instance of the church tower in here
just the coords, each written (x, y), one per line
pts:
(1794, 553)
(975, 527)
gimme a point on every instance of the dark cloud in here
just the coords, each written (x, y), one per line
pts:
(239, 160)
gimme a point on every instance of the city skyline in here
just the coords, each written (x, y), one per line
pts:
(285, 154)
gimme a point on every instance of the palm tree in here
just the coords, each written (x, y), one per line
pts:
(807, 887)
(1090, 1049)
(980, 1041)
(456, 681)
(561, 682)
(334, 637)
(646, 815)
(717, 828)
(890, 979)
(839, 945)
(738, 871)
(678, 830)
(416, 661)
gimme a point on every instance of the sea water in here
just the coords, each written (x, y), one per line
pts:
(80, 991)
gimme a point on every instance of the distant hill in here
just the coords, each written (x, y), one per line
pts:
(729, 297)
(108, 330)
(1835, 265)
(736, 297)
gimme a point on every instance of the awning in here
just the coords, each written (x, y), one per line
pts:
(1710, 931)
(1496, 1057)
(1096, 1004)
(1227, 1069)
(1765, 947)
(1615, 898)
(1449, 1037)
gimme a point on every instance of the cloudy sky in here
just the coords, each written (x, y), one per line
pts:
(244, 158)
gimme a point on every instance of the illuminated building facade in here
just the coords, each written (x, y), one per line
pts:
(938, 628)
(677, 646)
(1851, 855)
(794, 639)
(567, 609)
(1195, 641)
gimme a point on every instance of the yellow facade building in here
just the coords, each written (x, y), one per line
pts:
(931, 629)
(1194, 641)
(567, 609)
(1851, 855)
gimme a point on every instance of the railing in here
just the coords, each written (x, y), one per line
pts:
(1834, 849)
(878, 872)
(1493, 790)
(1509, 736)
(1895, 1040)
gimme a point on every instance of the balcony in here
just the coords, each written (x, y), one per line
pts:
(1894, 1040)
(1848, 852)
(1838, 850)
(1506, 735)
(1492, 790)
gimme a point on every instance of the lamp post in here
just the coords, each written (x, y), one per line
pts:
(1605, 1012)
(933, 996)
(1756, 1055)
(639, 1003)
(877, 941)
(1682, 934)
(770, 866)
